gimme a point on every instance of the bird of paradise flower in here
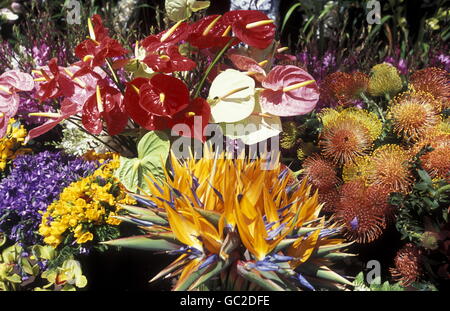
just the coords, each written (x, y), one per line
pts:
(236, 226)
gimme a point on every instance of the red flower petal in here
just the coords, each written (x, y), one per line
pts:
(164, 95)
(196, 116)
(213, 36)
(142, 117)
(68, 109)
(260, 37)
(168, 59)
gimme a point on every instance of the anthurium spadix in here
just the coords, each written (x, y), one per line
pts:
(258, 127)
(289, 91)
(231, 96)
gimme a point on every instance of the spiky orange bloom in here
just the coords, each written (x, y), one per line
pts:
(408, 265)
(329, 199)
(391, 168)
(413, 113)
(435, 81)
(360, 214)
(437, 161)
(320, 172)
(343, 88)
(345, 140)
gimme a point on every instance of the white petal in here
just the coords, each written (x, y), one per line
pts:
(237, 106)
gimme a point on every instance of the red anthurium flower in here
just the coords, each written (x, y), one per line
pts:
(175, 34)
(289, 91)
(210, 31)
(106, 104)
(196, 116)
(249, 65)
(99, 46)
(68, 109)
(164, 95)
(251, 27)
(168, 59)
(142, 117)
(51, 82)
(11, 82)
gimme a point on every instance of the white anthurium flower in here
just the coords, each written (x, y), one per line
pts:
(231, 96)
(178, 10)
(254, 129)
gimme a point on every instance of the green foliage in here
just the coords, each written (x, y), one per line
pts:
(20, 270)
(153, 150)
(428, 199)
(361, 285)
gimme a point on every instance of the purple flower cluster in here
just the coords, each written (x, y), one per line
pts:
(440, 59)
(35, 182)
(29, 104)
(318, 67)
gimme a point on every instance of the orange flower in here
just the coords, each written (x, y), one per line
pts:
(407, 268)
(343, 88)
(361, 216)
(435, 81)
(391, 168)
(413, 113)
(345, 140)
(320, 172)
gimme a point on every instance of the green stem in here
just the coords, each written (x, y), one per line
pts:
(443, 189)
(371, 102)
(210, 67)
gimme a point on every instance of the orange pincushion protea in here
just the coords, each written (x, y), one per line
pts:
(435, 81)
(320, 172)
(413, 113)
(361, 216)
(391, 168)
(343, 88)
(407, 262)
(345, 140)
(437, 161)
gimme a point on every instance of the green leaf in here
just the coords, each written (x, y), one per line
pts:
(322, 272)
(144, 214)
(256, 277)
(144, 243)
(288, 15)
(154, 144)
(424, 176)
(153, 150)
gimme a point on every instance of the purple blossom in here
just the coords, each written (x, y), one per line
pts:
(441, 60)
(399, 63)
(318, 67)
(29, 104)
(35, 182)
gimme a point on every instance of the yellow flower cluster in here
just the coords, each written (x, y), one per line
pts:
(92, 201)
(11, 142)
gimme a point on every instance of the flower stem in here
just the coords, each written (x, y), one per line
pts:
(210, 67)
